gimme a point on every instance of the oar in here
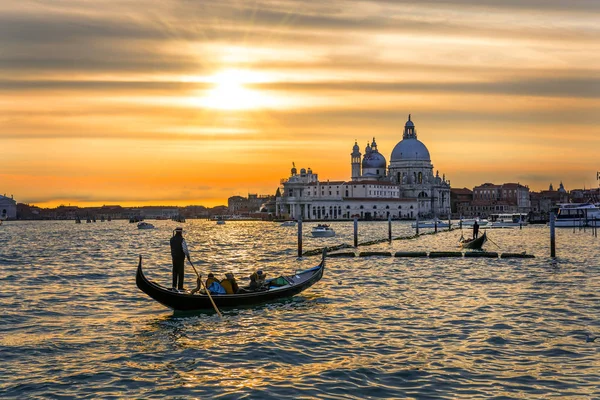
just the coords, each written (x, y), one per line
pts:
(207, 291)
(488, 238)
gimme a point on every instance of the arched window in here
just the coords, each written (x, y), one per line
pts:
(361, 207)
(387, 207)
(374, 207)
(420, 177)
(399, 207)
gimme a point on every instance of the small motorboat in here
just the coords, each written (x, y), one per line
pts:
(220, 222)
(280, 287)
(471, 222)
(431, 224)
(145, 225)
(323, 230)
(288, 223)
(474, 244)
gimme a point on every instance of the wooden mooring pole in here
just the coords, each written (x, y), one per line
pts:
(417, 224)
(355, 231)
(552, 237)
(300, 236)
(390, 228)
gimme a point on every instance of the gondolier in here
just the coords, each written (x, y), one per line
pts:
(179, 252)
(475, 230)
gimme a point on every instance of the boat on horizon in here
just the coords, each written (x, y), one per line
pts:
(322, 230)
(431, 224)
(145, 225)
(471, 222)
(508, 220)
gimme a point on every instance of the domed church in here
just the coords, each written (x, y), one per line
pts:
(404, 189)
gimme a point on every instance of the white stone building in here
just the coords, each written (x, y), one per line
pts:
(404, 189)
(8, 208)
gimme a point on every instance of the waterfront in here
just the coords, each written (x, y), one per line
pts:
(75, 324)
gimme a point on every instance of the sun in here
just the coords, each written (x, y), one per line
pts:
(230, 93)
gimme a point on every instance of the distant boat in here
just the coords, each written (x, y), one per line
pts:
(322, 231)
(288, 223)
(507, 220)
(474, 244)
(471, 222)
(220, 222)
(431, 224)
(145, 225)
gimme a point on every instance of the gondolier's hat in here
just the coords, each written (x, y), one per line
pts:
(179, 229)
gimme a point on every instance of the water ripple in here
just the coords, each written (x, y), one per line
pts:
(75, 325)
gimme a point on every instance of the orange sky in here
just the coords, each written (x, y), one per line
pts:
(183, 102)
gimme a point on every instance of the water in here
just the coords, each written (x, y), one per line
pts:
(75, 325)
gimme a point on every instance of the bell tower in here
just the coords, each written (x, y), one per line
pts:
(355, 161)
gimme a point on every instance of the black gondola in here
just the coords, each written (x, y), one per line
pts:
(184, 301)
(475, 244)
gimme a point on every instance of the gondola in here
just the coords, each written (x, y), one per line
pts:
(185, 301)
(475, 244)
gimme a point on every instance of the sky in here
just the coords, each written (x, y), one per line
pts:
(181, 102)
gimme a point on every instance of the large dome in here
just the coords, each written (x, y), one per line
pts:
(410, 149)
(373, 160)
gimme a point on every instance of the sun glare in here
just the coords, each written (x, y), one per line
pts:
(229, 92)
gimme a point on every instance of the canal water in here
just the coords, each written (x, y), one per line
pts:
(74, 324)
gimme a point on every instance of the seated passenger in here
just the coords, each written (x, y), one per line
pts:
(211, 278)
(216, 288)
(257, 280)
(230, 284)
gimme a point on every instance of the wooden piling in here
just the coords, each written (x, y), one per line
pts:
(552, 236)
(299, 236)
(417, 224)
(390, 228)
(355, 231)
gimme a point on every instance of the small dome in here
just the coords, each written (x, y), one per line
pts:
(355, 147)
(410, 149)
(373, 159)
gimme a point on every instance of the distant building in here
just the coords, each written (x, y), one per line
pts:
(545, 201)
(254, 203)
(403, 189)
(8, 208)
(499, 199)
(460, 201)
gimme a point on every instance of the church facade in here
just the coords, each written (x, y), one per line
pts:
(405, 188)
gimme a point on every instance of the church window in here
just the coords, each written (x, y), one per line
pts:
(420, 177)
(346, 193)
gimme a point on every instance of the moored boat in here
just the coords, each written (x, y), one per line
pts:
(322, 230)
(276, 288)
(577, 215)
